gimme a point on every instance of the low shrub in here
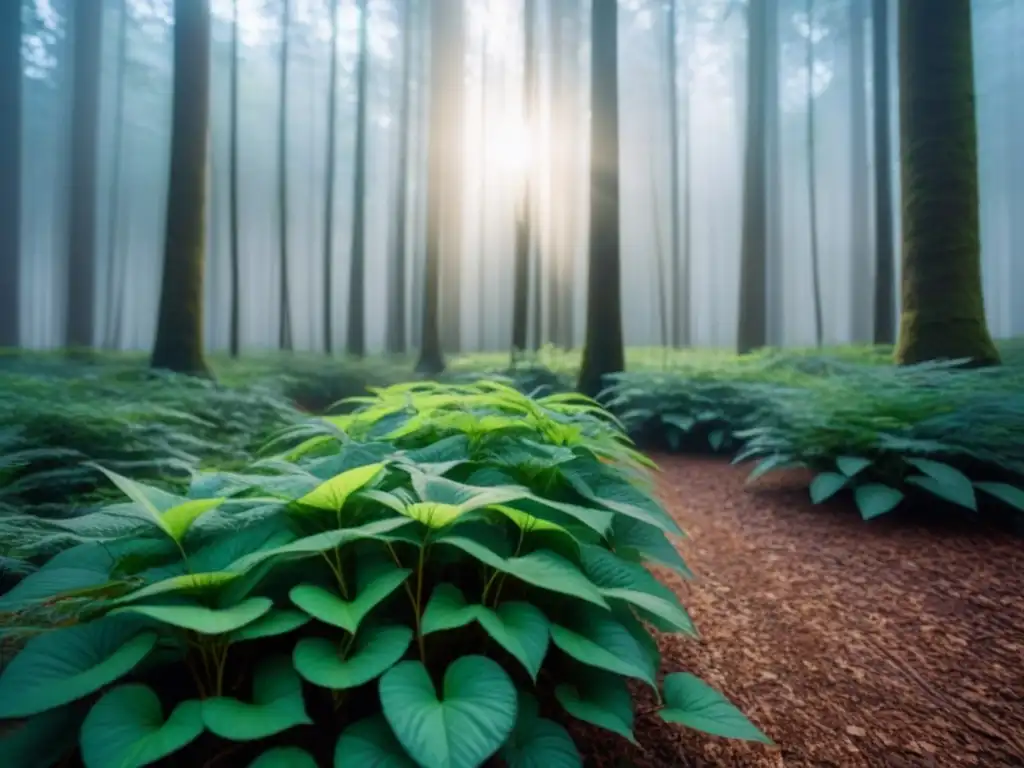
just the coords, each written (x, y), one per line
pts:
(413, 582)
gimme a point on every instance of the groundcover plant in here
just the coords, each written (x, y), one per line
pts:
(415, 582)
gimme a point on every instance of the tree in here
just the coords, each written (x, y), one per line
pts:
(332, 142)
(680, 245)
(80, 318)
(356, 345)
(860, 224)
(812, 186)
(431, 359)
(761, 74)
(943, 306)
(603, 351)
(234, 337)
(396, 304)
(10, 178)
(885, 256)
(524, 228)
(453, 58)
(179, 333)
(115, 278)
(284, 335)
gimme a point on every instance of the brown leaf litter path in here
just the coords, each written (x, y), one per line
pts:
(848, 643)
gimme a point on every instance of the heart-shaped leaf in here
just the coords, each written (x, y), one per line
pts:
(126, 728)
(597, 639)
(370, 743)
(284, 757)
(944, 481)
(1008, 494)
(332, 495)
(825, 485)
(601, 699)
(537, 742)
(64, 665)
(852, 465)
(875, 499)
(328, 664)
(472, 719)
(374, 587)
(205, 621)
(277, 705)
(691, 702)
(276, 622)
(518, 627)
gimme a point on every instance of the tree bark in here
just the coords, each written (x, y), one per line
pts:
(885, 255)
(10, 180)
(943, 306)
(85, 115)
(396, 343)
(235, 332)
(524, 214)
(603, 352)
(356, 345)
(860, 224)
(179, 334)
(331, 161)
(112, 316)
(284, 328)
(812, 179)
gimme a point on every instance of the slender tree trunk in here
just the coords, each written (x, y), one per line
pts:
(885, 255)
(661, 285)
(556, 175)
(603, 352)
(682, 286)
(112, 329)
(537, 260)
(396, 343)
(179, 333)
(812, 178)
(332, 130)
(753, 319)
(943, 306)
(453, 56)
(521, 278)
(482, 260)
(85, 114)
(356, 345)
(860, 246)
(284, 328)
(431, 359)
(10, 179)
(235, 332)
(680, 302)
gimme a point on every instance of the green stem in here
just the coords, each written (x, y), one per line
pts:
(418, 604)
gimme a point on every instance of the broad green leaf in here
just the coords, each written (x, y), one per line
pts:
(48, 583)
(691, 702)
(541, 568)
(277, 705)
(635, 540)
(433, 514)
(518, 627)
(126, 728)
(465, 726)
(43, 740)
(334, 665)
(597, 639)
(772, 463)
(370, 743)
(284, 757)
(199, 618)
(1007, 494)
(874, 499)
(944, 481)
(332, 495)
(537, 742)
(527, 522)
(331, 608)
(277, 622)
(188, 583)
(597, 520)
(825, 485)
(308, 546)
(179, 518)
(598, 484)
(64, 665)
(851, 466)
(601, 699)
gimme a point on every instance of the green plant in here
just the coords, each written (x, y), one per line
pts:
(418, 579)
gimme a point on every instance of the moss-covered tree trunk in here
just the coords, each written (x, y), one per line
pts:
(10, 178)
(179, 333)
(603, 351)
(943, 308)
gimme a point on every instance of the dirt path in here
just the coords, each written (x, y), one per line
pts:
(849, 644)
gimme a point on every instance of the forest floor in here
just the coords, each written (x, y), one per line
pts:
(848, 643)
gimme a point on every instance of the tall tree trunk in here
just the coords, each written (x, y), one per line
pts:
(661, 285)
(453, 56)
(396, 306)
(10, 179)
(331, 161)
(812, 179)
(943, 307)
(556, 174)
(524, 238)
(112, 328)
(284, 328)
(753, 319)
(885, 255)
(482, 259)
(235, 332)
(179, 333)
(681, 287)
(537, 262)
(356, 345)
(85, 115)
(680, 302)
(860, 223)
(603, 351)
(431, 360)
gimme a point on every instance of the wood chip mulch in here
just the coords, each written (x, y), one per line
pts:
(848, 643)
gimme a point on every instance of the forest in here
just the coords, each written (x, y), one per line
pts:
(458, 383)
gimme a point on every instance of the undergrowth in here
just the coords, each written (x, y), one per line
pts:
(418, 581)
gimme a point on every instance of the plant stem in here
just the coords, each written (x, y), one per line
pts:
(418, 603)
